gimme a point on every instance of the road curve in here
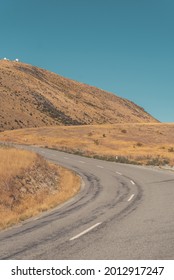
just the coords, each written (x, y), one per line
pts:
(121, 212)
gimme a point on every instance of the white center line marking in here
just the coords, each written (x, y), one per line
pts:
(119, 173)
(100, 166)
(81, 161)
(66, 158)
(132, 182)
(52, 155)
(130, 198)
(85, 231)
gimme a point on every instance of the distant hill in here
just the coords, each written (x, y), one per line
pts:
(34, 97)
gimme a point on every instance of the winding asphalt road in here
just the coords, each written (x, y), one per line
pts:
(121, 212)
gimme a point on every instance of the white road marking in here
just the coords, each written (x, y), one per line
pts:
(85, 231)
(119, 173)
(52, 155)
(133, 183)
(81, 161)
(66, 158)
(130, 198)
(100, 166)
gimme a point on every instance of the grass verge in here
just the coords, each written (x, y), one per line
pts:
(30, 185)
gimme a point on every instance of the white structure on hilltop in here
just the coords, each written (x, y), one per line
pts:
(16, 60)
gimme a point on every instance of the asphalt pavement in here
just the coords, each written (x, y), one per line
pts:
(122, 212)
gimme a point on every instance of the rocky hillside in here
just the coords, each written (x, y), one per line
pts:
(33, 97)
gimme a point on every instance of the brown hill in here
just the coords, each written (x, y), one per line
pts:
(33, 97)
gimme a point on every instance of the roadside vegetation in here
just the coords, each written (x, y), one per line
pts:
(149, 144)
(30, 185)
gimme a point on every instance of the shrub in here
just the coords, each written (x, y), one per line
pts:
(96, 141)
(171, 150)
(139, 144)
(157, 161)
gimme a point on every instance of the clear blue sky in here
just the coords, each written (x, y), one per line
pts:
(123, 46)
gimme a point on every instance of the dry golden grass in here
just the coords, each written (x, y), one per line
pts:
(30, 185)
(140, 142)
(12, 161)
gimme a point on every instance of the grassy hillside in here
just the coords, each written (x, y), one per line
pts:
(33, 97)
(140, 143)
(30, 185)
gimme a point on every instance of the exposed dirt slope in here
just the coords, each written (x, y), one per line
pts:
(33, 97)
